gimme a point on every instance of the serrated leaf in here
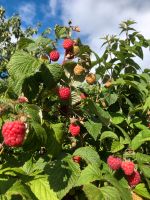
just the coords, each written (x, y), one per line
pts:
(111, 98)
(41, 188)
(142, 158)
(75, 98)
(110, 193)
(61, 32)
(145, 170)
(19, 188)
(108, 134)
(140, 138)
(142, 190)
(116, 146)
(22, 64)
(51, 74)
(92, 192)
(93, 128)
(40, 132)
(147, 104)
(66, 173)
(117, 118)
(89, 174)
(88, 154)
(24, 42)
(124, 192)
(103, 116)
(34, 112)
(55, 135)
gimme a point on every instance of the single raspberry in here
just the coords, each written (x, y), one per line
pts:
(90, 78)
(22, 99)
(114, 162)
(77, 159)
(136, 197)
(74, 129)
(54, 55)
(64, 93)
(127, 167)
(78, 70)
(134, 178)
(68, 44)
(13, 133)
(83, 96)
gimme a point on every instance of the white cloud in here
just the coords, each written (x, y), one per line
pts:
(97, 18)
(27, 11)
(53, 6)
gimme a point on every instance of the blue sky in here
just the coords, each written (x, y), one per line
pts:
(96, 18)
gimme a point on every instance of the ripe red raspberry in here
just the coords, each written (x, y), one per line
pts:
(74, 129)
(68, 44)
(134, 178)
(64, 93)
(22, 99)
(54, 55)
(77, 159)
(13, 133)
(114, 162)
(127, 167)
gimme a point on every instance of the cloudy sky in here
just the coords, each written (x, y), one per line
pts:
(96, 18)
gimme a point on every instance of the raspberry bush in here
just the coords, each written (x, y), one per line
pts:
(76, 128)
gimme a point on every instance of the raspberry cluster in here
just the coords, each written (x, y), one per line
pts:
(128, 167)
(13, 133)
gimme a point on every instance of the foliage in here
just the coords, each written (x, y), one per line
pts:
(114, 116)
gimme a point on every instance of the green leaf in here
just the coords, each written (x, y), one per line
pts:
(116, 146)
(89, 174)
(18, 188)
(145, 170)
(32, 168)
(142, 190)
(117, 118)
(51, 74)
(41, 188)
(142, 158)
(123, 191)
(92, 192)
(93, 128)
(61, 32)
(55, 135)
(24, 42)
(111, 98)
(140, 138)
(88, 154)
(108, 134)
(65, 172)
(110, 193)
(123, 132)
(103, 116)
(5, 184)
(22, 64)
(34, 112)
(40, 132)
(147, 104)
